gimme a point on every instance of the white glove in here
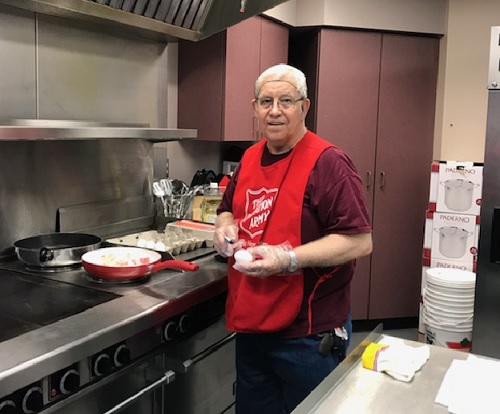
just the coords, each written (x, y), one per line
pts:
(226, 240)
(267, 260)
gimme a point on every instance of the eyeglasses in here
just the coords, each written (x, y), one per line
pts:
(283, 103)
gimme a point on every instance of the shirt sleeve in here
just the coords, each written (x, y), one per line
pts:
(336, 196)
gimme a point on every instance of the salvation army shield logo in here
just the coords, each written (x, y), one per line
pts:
(258, 206)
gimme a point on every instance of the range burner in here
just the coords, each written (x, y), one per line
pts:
(52, 269)
(135, 280)
(29, 302)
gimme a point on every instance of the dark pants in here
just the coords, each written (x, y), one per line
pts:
(274, 375)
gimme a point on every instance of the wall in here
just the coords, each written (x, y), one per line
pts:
(461, 132)
(423, 16)
(57, 70)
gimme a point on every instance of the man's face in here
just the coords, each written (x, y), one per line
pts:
(281, 112)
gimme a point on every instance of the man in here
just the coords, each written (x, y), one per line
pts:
(296, 204)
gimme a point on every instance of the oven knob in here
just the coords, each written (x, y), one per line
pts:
(8, 407)
(170, 330)
(185, 323)
(33, 400)
(102, 365)
(122, 355)
(70, 382)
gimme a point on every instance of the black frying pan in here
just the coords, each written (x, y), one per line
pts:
(56, 249)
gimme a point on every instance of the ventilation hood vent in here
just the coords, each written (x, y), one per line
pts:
(165, 20)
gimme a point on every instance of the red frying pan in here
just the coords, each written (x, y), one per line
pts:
(129, 263)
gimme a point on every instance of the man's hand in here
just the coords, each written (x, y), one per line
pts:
(268, 260)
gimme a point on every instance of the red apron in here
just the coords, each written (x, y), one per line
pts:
(270, 198)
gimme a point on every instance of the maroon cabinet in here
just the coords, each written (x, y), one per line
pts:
(374, 96)
(217, 77)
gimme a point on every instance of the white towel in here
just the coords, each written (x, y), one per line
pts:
(398, 360)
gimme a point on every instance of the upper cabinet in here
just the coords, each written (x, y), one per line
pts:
(217, 77)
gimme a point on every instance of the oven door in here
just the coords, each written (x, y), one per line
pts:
(205, 377)
(138, 388)
(194, 376)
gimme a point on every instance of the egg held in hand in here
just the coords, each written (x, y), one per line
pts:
(243, 256)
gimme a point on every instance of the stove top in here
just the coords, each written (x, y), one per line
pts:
(33, 298)
(29, 302)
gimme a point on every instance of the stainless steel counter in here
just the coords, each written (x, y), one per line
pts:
(32, 355)
(354, 389)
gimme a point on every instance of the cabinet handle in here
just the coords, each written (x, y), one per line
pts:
(382, 179)
(184, 366)
(368, 179)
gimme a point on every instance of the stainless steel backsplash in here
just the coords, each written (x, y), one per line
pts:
(37, 178)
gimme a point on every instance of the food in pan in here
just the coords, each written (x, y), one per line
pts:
(123, 260)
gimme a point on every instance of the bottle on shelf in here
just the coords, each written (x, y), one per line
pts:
(212, 196)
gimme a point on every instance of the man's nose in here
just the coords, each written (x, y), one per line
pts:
(276, 106)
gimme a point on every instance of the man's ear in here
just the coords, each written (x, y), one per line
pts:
(254, 106)
(306, 104)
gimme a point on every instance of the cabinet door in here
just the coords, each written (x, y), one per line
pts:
(408, 78)
(242, 70)
(346, 115)
(201, 83)
(252, 46)
(273, 44)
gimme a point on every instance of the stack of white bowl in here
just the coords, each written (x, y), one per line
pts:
(449, 305)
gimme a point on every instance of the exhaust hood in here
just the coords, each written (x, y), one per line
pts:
(164, 20)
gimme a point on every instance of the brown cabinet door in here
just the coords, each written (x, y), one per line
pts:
(217, 77)
(242, 70)
(346, 113)
(273, 44)
(408, 77)
(201, 74)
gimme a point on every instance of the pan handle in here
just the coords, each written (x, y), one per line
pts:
(175, 264)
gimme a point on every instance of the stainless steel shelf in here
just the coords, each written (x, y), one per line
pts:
(46, 130)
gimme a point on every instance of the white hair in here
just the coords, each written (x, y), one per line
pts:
(286, 73)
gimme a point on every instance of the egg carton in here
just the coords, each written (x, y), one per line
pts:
(173, 241)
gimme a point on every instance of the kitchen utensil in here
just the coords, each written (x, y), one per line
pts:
(166, 186)
(56, 249)
(179, 187)
(159, 192)
(129, 263)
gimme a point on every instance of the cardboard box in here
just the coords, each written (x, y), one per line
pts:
(451, 237)
(456, 187)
